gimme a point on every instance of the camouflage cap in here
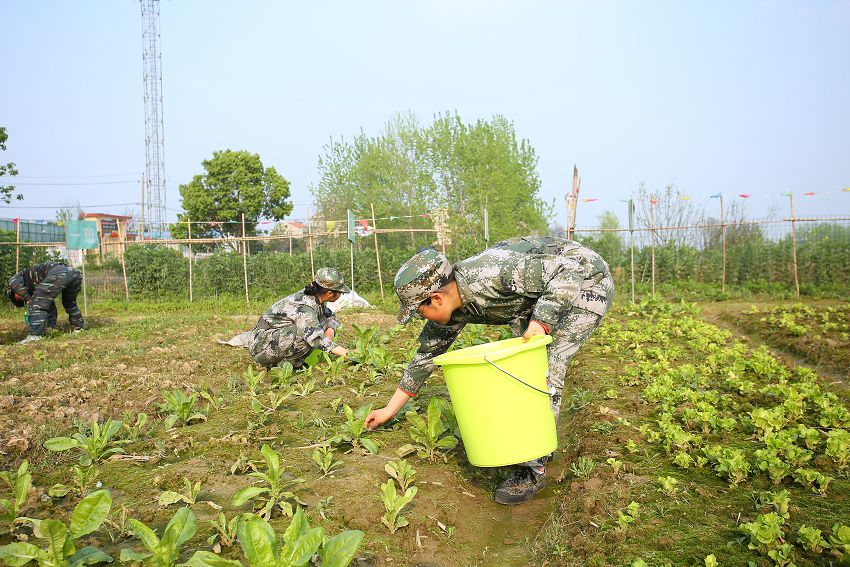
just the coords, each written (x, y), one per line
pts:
(427, 272)
(330, 278)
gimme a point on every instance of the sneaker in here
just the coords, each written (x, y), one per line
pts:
(521, 486)
(29, 339)
(77, 330)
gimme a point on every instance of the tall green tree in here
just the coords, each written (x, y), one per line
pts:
(234, 183)
(6, 191)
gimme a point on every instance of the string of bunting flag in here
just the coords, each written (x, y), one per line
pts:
(653, 198)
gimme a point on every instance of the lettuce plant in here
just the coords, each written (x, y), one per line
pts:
(810, 538)
(838, 447)
(274, 491)
(188, 496)
(432, 433)
(61, 550)
(667, 485)
(813, 479)
(402, 472)
(96, 444)
(161, 552)
(20, 484)
(324, 457)
(840, 541)
(180, 408)
(393, 504)
(733, 464)
(353, 431)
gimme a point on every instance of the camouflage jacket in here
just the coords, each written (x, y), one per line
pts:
(23, 283)
(513, 282)
(302, 316)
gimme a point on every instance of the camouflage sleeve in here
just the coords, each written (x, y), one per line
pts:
(313, 330)
(17, 285)
(332, 323)
(560, 279)
(434, 340)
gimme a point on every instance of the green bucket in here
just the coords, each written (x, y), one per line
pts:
(501, 400)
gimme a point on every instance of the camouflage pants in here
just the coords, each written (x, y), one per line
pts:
(572, 332)
(270, 347)
(42, 307)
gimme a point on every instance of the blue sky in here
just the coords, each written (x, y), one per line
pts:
(722, 96)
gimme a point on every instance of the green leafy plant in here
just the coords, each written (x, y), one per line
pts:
(161, 552)
(274, 490)
(61, 550)
(134, 428)
(324, 458)
(432, 433)
(838, 447)
(281, 375)
(779, 501)
(683, 460)
(765, 533)
(813, 479)
(305, 389)
(840, 541)
(264, 406)
(393, 504)
(769, 461)
(627, 517)
(300, 543)
(582, 467)
(20, 484)
(810, 538)
(334, 368)
(224, 531)
(188, 496)
(667, 485)
(96, 442)
(353, 430)
(253, 379)
(615, 465)
(180, 408)
(733, 464)
(402, 472)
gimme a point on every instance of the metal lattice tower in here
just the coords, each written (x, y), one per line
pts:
(154, 138)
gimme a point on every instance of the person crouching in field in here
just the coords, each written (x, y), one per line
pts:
(38, 287)
(300, 322)
(537, 284)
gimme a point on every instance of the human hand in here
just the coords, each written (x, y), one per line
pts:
(329, 333)
(534, 328)
(376, 418)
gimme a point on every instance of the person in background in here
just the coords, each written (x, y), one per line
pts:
(300, 322)
(37, 288)
(537, 284)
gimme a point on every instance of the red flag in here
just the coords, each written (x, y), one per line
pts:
(809, 194)
(15, 220)
(653, 201)
(589, 200)
(744, 195)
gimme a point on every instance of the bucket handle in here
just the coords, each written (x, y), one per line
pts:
(550, 392)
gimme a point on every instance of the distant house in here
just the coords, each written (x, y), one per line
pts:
(294, 228)
(111, 232)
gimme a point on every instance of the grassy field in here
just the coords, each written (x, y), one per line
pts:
(679, 439)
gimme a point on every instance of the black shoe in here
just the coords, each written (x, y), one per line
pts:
(520, 487)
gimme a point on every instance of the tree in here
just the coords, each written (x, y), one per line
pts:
(71, 211)
(672, 208)
(234, 183)
(9, 169)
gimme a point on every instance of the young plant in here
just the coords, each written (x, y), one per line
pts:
(334, 367)
(188, 496)
(134, 429)
(667, 485)
(354, 428)
(274, 491)
(840, 541)
(811, 539)
(683, 460)
(582, 467)
(627, 517)
(733, 464)
(224, 531)
(615, 465)
(61, 550)
(813, 479)
(779, 501)
(838, 447)
(767, 460)
(161, 552)
(20, 484)
(305, 389)
(96, 444)
(281, 376)
(253, 379)
(432, 434)
(765, 533)
(180, 408)
(393, 504)
(300, 543)
(324, 457)
(402, 472)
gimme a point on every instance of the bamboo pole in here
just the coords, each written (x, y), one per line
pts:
(632, 243)
(245, 260)
(123, 249)
(572, 203)
(794, 246)
(652, 224)
(142, 223)
(377, 252)
(310, 246)
(191, 261)
(18, 245)
(723, 236)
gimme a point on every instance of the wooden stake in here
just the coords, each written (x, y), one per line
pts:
(18, 245)
(377, 252)
(723, 233)
(245, 260)
(123, 246)
(794, 246)
(191, 258)
(652, 223)
(310, 246)
(572, 202)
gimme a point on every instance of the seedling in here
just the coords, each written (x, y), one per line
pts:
(20, 484)
(188, 496)
(281, 376)
(683, 460)
(393, 504)
(300, 543)
(213, 401)
(402, 472)
(733, 464)
(180, 408)
(582, 467)
(838, 447)
(96, 444)
(668, 485)
(324, 457)
(305, 389)
(779, 501)
(840, 541)
(627, 517)
(161, 552)
(615, 465)
(354, 428)
(334, 367)
(61, 548)
(432, 434)
(810, 538)
(224, 531)
(815, 480)
(134, 429)
(253, 379)
(274, 492)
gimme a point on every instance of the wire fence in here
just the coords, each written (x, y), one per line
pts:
(794, 256)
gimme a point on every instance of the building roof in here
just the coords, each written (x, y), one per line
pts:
(103, 216)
